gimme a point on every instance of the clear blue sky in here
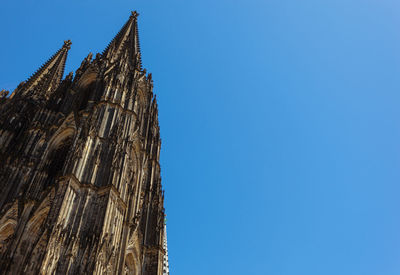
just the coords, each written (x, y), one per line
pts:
(280, 122)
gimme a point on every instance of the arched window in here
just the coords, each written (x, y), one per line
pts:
(132, 256)
(56, 160)
(131, 263)
(85, 95)
(85, 88)
(8, 223)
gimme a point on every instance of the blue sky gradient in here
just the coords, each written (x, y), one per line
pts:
(280, 123)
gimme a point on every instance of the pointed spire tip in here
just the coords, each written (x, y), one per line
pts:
(67, 44)
(134, 14)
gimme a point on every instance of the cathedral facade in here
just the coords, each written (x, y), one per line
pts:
(80, 175)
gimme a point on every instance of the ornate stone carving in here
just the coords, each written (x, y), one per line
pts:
(75, 167)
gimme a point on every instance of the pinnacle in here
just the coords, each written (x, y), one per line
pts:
(126, 39)
(67, 44)
(50, 73)
(134, 14)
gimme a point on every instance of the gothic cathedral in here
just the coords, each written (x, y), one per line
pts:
(80, 175)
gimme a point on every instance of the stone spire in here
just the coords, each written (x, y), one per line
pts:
(126, 42)
(47, 78)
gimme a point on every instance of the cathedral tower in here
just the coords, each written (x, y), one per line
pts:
(80, 174)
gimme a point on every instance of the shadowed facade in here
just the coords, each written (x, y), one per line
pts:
(80, 174)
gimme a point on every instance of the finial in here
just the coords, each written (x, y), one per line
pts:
(134, 14)
(70, 76)
(67, 44)
(89, 56)
(4, 93)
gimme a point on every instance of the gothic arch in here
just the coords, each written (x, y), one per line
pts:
(37, 251)
(135, 154)
(132, 260)
(141, 96)
(140, 101)
(34, 231)
(87, 79)
(60, 136)
(40, 215)
(135, 164)
(85, 89)
(57, 152)
(8, 223)
(37, 220)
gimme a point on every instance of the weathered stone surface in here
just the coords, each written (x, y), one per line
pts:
(80, 174)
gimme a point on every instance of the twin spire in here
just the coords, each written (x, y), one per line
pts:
(126, 39)
(47, 78)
